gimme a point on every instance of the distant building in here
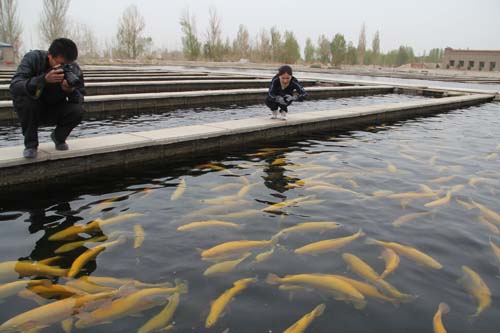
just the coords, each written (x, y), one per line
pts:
(477, 60)
(6, 53)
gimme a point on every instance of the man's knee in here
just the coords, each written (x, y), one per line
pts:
(73, 113)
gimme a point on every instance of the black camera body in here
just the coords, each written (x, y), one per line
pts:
(72, 75)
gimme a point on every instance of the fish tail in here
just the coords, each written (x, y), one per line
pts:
(182, 286)
(360, 233)
(273, 279)
(444, 308)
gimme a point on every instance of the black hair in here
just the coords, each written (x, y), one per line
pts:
(285, 69)
(64, 47)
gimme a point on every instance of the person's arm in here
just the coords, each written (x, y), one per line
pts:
(302, 92)
(25, 82)
(273, 89)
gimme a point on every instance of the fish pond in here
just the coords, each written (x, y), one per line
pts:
(409, 216)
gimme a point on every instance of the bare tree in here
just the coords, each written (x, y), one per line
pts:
(241, 44)
(53, 22)
(362, 45)
(130, 33)
(83, 35)
(309, 51)
(376, 47)
(10, 26)
(263, 49)
(191, 46)
(214, 46)
(276, 44)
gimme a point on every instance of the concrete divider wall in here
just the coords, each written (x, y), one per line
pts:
(170, 145)
(156, 102)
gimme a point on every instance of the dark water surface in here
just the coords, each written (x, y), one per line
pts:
(393, 157)
(11, 135)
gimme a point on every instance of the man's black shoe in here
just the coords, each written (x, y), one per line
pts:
(30, 152)
(59, 145)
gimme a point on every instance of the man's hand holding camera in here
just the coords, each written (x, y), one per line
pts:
(57, 75)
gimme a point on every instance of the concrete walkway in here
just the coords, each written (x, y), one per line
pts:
(89, 155)
(150, 102)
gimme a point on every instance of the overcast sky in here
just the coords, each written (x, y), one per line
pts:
(423, 24)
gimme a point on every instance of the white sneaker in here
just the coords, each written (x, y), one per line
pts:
(275, 115)
(283, 115)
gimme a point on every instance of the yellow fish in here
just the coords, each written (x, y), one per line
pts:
(287, 203)
(163, 318)
(475, 286)
(308, 226)
(264, 256)
(12, 288)
(329, 244)
(408, 218)
(129, 305)
(391, 259)
(464, 204)
(179, 191)
(493, 228)
(413, 195)
(364, 270)
(437, 322)
(89, 255)
(96, 225)
(367, 289)
(442, 180)
(392, 168)
(211, 166)
(333, 188)
(225, 266)
(279, 162)
(226, 187)
(409, 252)
(46, 315)
(488, 212)
(11, 270)
(219, 305)
(234, 249)
(476, 180)
(88, 287)
(381, 194)
(303, 323)
(208, 224)
(115, 282)
(104, 204)
(338, 288)
(496, 251)
(55, 291)
(442, 201)
(139, 236)
(75, 245)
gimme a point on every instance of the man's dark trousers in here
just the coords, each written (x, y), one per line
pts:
(34, 113)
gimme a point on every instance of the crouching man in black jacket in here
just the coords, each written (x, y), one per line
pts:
(281, 92)
(48, 89)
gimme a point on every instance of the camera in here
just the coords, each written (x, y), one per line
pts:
(72, 75)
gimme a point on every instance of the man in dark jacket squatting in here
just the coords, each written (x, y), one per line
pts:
(48, 89)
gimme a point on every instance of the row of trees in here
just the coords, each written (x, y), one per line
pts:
(269, 45)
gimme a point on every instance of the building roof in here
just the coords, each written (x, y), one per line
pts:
(472, 51)
(5, 44)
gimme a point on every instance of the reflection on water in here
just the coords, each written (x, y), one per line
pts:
(302, 224)
(11, 135)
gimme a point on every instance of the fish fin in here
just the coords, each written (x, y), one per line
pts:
(272, 279)
(359, 305)
(361, 233)
(371, 241)
(126, 289)
(444, 308)
(199, 250)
